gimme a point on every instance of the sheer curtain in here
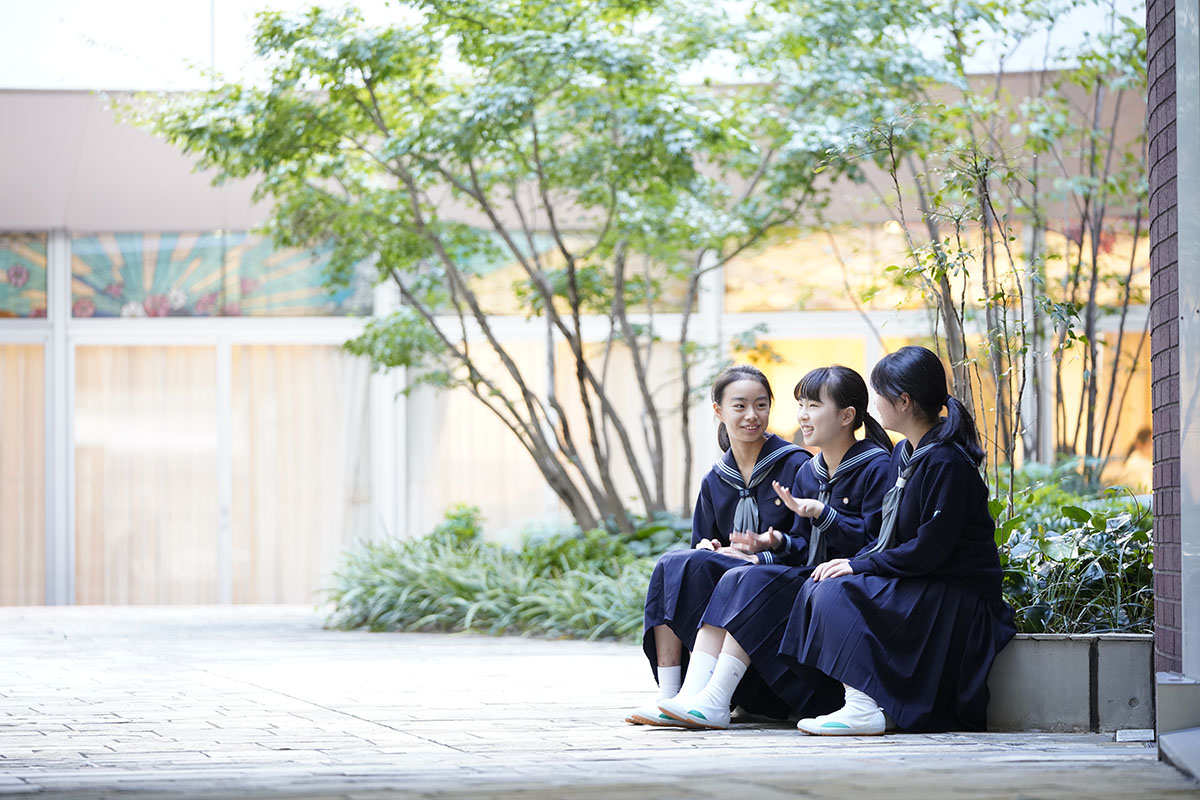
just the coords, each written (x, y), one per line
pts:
(301, 468)
(22, 475)
(146, 475)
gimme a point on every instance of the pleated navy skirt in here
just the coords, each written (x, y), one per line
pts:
(680, 587)
(753, 603)
(921, 647)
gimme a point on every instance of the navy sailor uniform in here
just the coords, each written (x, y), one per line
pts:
(683, 580)
(919, 623)
(753, 602)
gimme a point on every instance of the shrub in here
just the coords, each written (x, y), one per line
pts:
(571, 584)
(1074, 563)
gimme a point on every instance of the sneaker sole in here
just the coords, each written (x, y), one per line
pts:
(692, 722)
(638, 719)
(835, 732)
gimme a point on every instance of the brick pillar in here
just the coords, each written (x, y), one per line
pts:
(1164, 338)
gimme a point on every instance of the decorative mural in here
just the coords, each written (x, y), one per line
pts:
(203, 275)
(22, 274)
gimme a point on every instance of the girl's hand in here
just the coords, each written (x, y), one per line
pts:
(751, 542)
(801, 506)
(733, 551)
(707, 544)
(832, 569)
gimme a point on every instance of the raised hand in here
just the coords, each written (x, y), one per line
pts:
(804, 507)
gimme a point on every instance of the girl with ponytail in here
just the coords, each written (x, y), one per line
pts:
(837, 498)
(736, 498)
(910, 625)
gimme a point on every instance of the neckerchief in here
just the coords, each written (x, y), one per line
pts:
(891, 500)
(816, 542)
(745, 514)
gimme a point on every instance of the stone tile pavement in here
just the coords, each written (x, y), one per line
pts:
(261, 702)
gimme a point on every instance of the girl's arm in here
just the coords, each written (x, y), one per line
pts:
(704, 518)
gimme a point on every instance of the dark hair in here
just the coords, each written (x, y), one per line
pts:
(918, 372)
(737, 372)
(846, 389)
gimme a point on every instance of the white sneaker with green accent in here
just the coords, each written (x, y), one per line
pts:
(690, 711)
(650, 715)
(845, 722)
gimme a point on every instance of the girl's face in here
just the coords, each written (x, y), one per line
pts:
(744, 409)
(891, 413)
(821, 421)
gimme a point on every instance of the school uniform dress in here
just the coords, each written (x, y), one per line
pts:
(683, 580)
(753, 602)
(919, 623)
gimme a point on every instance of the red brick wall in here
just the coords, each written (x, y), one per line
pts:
(1164, 324)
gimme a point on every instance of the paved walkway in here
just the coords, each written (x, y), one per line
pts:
(261, 702)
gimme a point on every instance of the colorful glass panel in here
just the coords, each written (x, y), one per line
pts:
(22, 274)
(203, 275)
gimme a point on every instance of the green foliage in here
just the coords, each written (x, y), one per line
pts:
(580, 585)
(1076, 563)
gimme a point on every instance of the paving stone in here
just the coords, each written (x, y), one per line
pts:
(261, 702)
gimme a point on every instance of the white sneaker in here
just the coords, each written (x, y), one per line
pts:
(845, 722)
(690, 711)
(650, 715)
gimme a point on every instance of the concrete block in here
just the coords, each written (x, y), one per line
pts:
(1178, 702)
(1124, 690)
(1041, 682)
(1057, 682)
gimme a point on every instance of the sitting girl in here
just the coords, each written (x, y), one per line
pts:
(735, 495)
(837, 498)
(910, 626)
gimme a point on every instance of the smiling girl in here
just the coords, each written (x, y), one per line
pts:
(736, 497)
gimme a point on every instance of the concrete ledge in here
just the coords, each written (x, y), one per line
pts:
(1068, 682)
(1181, 749)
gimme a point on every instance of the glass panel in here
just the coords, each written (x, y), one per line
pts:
(22, 475)
(203, 274)
(145, 475)
(459, 452)
(22, 274)
(301, 468)
(846, 268)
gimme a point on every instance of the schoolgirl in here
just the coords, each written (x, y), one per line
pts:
(735, 496)
(837, 498)
(910, 625)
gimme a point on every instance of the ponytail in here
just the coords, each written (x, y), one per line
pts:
(723, 437)
(959, 429)
(874, 432)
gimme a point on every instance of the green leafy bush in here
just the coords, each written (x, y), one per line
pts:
(580, 585)
(1075, 563)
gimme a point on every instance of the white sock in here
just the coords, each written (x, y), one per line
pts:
(700, 669)
(669, 679)
(721, 685)
(859, 702)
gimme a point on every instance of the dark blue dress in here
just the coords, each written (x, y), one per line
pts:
(753, 602)
(917, 625)
(683, 580)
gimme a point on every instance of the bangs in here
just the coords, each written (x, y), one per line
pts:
(810, 386)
